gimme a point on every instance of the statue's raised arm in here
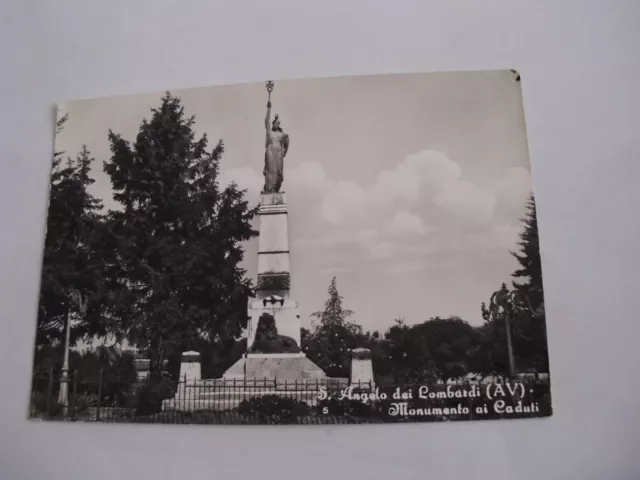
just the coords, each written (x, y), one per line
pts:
(267, 122)
(267, 119)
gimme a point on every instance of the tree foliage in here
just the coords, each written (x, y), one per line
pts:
(331, 340)
(527, 320)
(176, 242)
(333, 312)
(163, 271)
(438, 349)
(72, 259)
(528, 278)
(106, 365)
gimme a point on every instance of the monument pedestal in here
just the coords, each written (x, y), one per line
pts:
(273, 246)
(285, 312)
(272, 292)
(280, 367)
(272, 297)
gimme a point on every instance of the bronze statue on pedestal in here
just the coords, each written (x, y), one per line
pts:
(276, 147)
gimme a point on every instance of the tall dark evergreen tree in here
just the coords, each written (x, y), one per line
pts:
(71, 261)
(530, 340)
(528, 278)
(527, 320)
(330, 342)
(333, 313)
(177, 240)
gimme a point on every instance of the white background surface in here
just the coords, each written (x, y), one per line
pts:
(580, 67)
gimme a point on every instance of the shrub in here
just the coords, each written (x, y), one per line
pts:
(81, 403)
(273, 409)
(153, 392)
(345, 407)
(39, 406)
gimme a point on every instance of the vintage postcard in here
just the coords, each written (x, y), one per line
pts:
(324, 251)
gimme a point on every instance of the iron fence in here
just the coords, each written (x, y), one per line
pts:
(161, 399)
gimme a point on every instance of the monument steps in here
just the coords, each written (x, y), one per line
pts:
(224, 384)
(223, 394)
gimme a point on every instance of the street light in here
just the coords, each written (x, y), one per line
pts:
(502, 305)
(74, 298)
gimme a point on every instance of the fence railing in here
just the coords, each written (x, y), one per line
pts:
(160, 399)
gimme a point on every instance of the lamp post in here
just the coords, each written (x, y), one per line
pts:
(501, 307)
(74, 298)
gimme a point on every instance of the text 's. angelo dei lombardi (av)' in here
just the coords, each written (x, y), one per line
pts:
(505, 399)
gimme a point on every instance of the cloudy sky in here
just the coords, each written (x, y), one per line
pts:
(407, 188)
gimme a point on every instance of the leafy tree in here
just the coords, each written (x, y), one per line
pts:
(176, 242)
(71, 260)
(453, 346)
(438, 349)
(330, 342)
(407, 355)
(218, 358)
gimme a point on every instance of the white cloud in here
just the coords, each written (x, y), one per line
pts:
(428, 174)
(369, 241)
(406, 223)
(420, 249)
(466, 201)
(513, 189)
(391, 186)
(406, 267)
(382, 249)
(342, 201)
(362, 237)
(423, 178)
(308, 176)
(335, 269)
(427, 169)
(503, 237)
(506, 236)
(435, 168)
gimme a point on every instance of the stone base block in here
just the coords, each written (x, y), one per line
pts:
(361, 367)
(282, 367)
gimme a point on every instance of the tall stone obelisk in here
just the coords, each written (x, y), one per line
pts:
(274, 275)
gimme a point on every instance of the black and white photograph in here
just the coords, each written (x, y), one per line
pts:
(343, 250)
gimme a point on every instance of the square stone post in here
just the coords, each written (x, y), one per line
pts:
(361, 368)
(189, 369)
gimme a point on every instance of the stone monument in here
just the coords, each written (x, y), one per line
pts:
(273, 357)
(273, 333)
